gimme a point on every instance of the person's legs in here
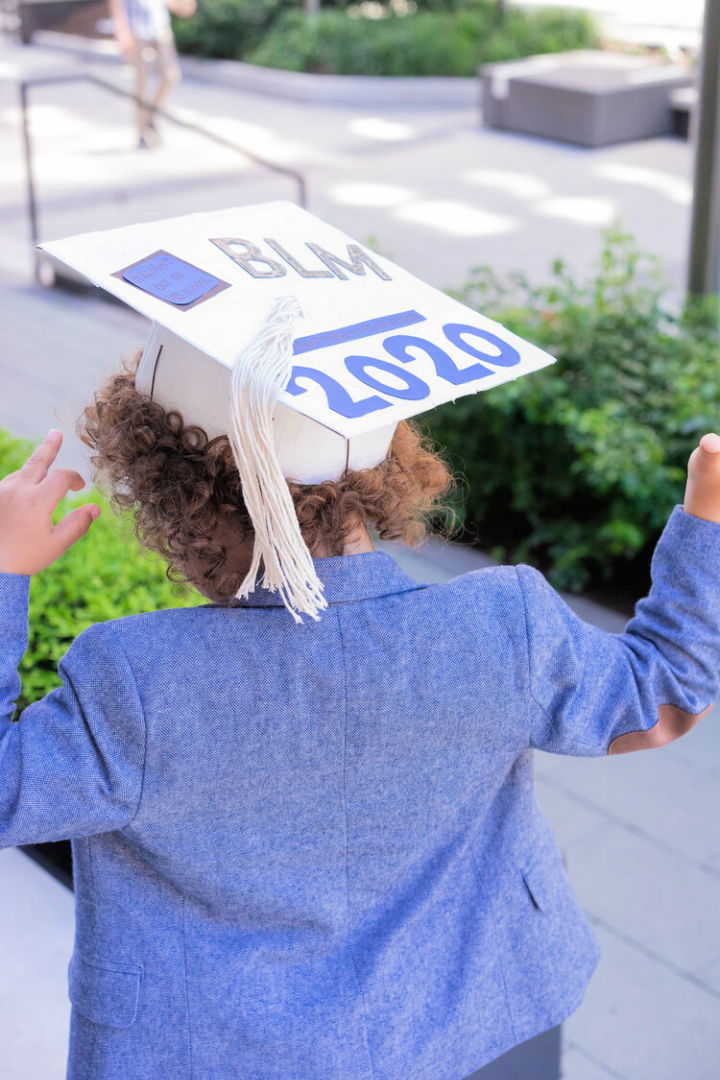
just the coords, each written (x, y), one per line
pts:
(168, 69)
(536, 1059)
(140, 63)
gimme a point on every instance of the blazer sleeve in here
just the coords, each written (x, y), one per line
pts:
(72, 764)
(594, 692)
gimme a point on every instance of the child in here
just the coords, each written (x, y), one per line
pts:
(311, 851)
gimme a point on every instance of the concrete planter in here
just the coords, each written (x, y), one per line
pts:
(77, 17)
(371, 90)
(367, 91)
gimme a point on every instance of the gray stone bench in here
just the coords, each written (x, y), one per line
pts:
(684, 104)
(589, 97)
(69, 16)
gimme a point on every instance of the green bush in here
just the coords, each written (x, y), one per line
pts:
(447, 38)
(107, 574)
(578, 466)
(227, 29)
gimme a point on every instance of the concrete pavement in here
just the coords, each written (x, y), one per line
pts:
(430, 186)
(664, 23)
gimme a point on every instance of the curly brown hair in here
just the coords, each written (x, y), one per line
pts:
(185, 492)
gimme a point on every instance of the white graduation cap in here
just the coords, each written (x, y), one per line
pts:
(301, 345)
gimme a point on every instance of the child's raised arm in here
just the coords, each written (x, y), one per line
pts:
(72, 765)
(29, 542)
(596, 693)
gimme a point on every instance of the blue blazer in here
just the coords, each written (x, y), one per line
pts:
(312, 852)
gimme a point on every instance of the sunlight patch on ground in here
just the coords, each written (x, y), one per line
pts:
(457, 218)
(672, 187)
(9, 70)
(375, 127)
(518, 184)
(379, 195)
(583, 211)
(56, 122)
(70, 172)
(256, 138)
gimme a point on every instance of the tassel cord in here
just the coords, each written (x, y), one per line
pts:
(259, 375)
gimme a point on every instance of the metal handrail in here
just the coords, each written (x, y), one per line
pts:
(49, 80)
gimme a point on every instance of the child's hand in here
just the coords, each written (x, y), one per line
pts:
(126, 42)
(29, 542)
(185, 9)
(702, 492)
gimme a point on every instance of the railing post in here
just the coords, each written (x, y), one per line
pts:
(29, 176)
(32, 205)
(704, 255)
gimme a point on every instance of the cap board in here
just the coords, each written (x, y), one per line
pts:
(374, 344)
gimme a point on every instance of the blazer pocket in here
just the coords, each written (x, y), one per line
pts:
(104, 992)
(535, 878)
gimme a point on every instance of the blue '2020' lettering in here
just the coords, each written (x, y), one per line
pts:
(399, 346)
(509, 356)
(414, 389)
(338, 399)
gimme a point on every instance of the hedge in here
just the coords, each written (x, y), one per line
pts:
(106, 575)
(577, 467)
(276, 33)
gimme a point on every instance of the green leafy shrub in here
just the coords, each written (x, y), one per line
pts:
(446, 37)
(227, 29)
(578, 466)
(439, 43)
(106, 575)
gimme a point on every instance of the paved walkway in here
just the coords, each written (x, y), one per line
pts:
(429, 186)
(667, 23)
(439, 194)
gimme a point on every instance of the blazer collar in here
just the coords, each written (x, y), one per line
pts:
(345, 578)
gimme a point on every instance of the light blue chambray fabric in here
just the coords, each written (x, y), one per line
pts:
(312, 852)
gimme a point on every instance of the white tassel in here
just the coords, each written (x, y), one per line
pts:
(260, 374)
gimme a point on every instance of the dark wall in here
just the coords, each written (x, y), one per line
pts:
(67, 16)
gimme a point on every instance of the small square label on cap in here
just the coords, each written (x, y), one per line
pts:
(173, 280)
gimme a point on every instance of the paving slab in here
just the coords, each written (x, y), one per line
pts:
(639, 1022)
(659, 793)
(657, 899)
(709, 974)
(701, 747)
(37, 916)
(572, 820)
(577, 1065)
(432, 187)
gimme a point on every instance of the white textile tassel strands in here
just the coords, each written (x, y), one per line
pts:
(259, 375)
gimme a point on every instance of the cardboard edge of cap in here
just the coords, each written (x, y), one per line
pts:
(176, 375)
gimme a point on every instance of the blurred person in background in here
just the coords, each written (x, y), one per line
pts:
(144, 34)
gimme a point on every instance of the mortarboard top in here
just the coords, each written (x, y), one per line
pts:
(265, 315)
